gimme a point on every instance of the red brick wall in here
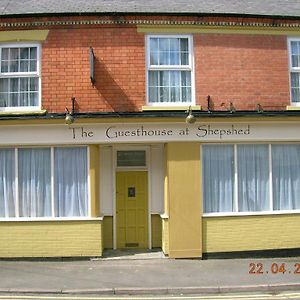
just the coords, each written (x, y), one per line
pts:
(119, 69)
(242, 69)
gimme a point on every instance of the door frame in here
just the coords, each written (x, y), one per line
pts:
(146, 168)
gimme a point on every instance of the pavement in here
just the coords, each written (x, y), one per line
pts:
(141, 273)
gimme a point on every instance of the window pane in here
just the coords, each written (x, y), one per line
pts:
(24, 66)
(4, 54)
(186, 78)
(70, 173)
(13, 66)
(175, 44)
(34, 181)
(131, 158)
(33, 99)
(4, 66)
(164, 44)
(14, 54)
(33, 53)
(169, 51)
(153, 94)
(184, 58)
(295, 49)
(175, 94)
(7, 183)
(253, 178)
(154, 51)
(295, 87)
(14, 99)
(153, 78)
(164, 58)
(286, 177)
(15, 60)
(24, 53)
(186, 94)
(24, 84)
(23, 99)
(172, 86)
(19, 92)
(218, 178)
(4, 82)
(34, 84)
(184, 44)
(174, 51)
(33, 66)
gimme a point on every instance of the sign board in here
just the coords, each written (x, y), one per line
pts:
(148, 132)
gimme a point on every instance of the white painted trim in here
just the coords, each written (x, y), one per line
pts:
(148, 163)
(270, 177)
(164, 216)
(106, 180)
(48, 219)
(17, 203)
(52, 183)
(236, 180)
(114, 173)
(253, 213)
(88, 150)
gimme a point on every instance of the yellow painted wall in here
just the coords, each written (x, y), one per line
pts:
(50, 239)
(246, 233)
(156, 230)
(184, 202)
(23, 35)
(107, 232)
(165, 236)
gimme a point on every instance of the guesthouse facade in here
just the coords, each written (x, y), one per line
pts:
(138, 126)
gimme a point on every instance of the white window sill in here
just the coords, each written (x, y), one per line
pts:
(49, 219)
(164, 216)
(293, 107)
(252, 213)
(166, 107)
(22, 112)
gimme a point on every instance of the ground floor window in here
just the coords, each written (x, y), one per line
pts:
(43, 182)
(251, 178)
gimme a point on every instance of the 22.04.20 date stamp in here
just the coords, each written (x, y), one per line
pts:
(274, 268)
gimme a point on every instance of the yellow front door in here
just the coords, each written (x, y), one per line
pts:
(132, 209)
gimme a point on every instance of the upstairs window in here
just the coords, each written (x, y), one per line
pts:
(170, 70)
(294, 50)
(19, 77)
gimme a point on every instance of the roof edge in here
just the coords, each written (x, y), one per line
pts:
(197, 14)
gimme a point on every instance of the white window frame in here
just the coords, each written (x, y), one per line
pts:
(291, 68)
(36, 74)
(53, 211)
(170, 67)
(271, 211)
